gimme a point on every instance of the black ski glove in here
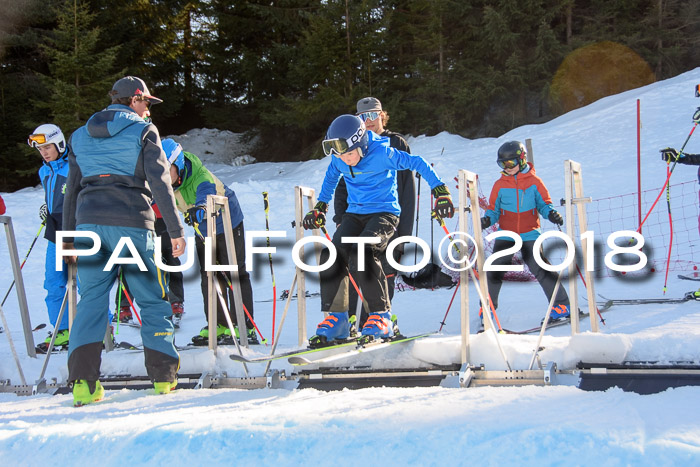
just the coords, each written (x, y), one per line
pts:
(555, 218)
(669, 155)
(195, 215)
(43, 213)
(443, 202)
(696, 116)
(485, 222)
(316, 218)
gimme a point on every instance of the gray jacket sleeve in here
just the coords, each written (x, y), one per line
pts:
(157, 170)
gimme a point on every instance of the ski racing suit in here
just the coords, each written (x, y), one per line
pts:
(53, 176)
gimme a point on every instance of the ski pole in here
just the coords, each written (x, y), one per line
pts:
(441, 221)
(415, 251)
(444, 318)
(24, 261)
(131, 303)
(269, 257)
(600, 315)
(354, 284)
(668, 177)
(230, 286)
(670, 226)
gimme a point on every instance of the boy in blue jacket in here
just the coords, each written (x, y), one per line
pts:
(368, 164)
(48, 139)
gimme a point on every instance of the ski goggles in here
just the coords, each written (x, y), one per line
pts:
(36, 140)
(508, 163)
(368, 116)
(335, 146)
(697, 90)
(338, 146)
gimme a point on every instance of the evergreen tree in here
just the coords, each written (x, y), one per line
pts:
(79, 69)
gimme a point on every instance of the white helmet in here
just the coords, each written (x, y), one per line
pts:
(47, 133)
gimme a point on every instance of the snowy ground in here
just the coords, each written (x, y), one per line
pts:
(531, 425)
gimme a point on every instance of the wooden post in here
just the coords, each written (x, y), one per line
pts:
(574, 198)
(214, 204)
(463, 178)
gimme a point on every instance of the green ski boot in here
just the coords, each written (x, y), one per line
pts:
(164, 388)
(86, 392)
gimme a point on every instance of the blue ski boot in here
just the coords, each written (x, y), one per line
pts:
(558, 312)
(336, 327)
(379, 325)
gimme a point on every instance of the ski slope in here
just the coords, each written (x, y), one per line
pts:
(395, 426)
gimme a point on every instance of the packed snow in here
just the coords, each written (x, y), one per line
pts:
(434, 425)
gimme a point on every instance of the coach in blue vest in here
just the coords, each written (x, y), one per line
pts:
(117, 169)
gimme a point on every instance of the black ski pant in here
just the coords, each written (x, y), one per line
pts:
(372, 281)
(547, 279)
(390, 274)
(177, 291)
(222, 258)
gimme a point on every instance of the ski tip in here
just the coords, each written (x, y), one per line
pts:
(298, 360)
(238, 358)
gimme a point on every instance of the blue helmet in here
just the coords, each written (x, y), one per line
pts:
(346, 133)
(173, 151)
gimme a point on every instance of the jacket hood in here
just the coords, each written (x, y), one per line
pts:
(112, 120)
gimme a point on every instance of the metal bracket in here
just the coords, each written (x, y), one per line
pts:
(465, 376)
(205, 381)
(550, 373)
(274, 377)
(588, 199)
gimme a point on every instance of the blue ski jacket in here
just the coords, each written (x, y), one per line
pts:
(117, 169)
(371, 183)
(54, 176)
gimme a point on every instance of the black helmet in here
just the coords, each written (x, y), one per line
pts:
(512, 150)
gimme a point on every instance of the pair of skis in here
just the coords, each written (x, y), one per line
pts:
(605, 306)
(337, 351)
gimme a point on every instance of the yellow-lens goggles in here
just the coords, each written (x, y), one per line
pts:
(36, 140)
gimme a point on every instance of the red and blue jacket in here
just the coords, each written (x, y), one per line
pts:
(515, 201)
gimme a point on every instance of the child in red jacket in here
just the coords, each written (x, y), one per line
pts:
(517, 200)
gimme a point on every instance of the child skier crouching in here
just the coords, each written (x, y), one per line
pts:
(368, 164)
(192, 183)
(515, 201)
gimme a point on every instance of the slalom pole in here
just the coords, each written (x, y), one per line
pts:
(24, 261)
(230, 286)
(670, 226)
(269, 257)
(668, 177)
(441, 221)
(354, 284)
(415, 251)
